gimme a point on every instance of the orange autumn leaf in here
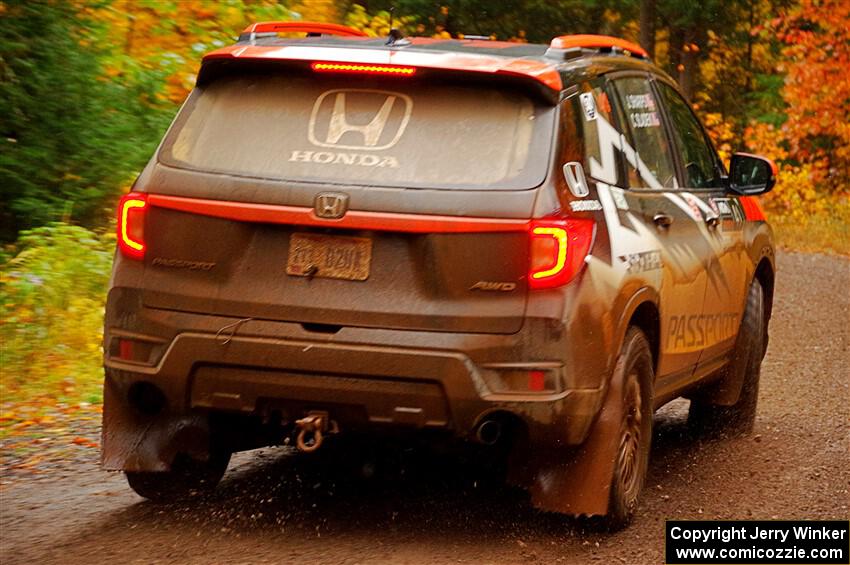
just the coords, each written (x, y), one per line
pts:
(24, 424)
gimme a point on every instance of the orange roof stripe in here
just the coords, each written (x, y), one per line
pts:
(597, 41)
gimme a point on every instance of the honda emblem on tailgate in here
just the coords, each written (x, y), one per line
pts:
(330, 205)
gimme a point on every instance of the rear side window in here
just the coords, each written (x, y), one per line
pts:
(698, 158)
(589, 134)
(393, 133)
(595, 105)
(641, 113)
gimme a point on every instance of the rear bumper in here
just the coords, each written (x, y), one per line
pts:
(362, 377)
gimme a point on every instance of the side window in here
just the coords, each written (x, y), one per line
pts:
(588, 134)
(650, 158)
(698, 158)
(571, 143)
(571, 132)
(594, 104)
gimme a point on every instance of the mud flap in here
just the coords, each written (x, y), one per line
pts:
(133, 441)
(579, 481)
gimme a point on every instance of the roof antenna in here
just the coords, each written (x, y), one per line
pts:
(395, 36)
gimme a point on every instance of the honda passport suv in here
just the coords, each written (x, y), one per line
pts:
(516, 245)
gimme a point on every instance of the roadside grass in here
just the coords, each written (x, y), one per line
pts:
(823, 232)
(52, 291)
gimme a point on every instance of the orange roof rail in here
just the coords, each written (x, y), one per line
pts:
(310, 28)
(597, 42)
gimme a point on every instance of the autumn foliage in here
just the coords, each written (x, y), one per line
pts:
(816, 50)
(812, 141)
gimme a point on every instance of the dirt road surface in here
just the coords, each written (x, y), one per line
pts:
(273, 507)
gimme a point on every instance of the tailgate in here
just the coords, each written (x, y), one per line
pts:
(413, 281)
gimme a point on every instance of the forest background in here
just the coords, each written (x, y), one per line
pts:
(88, 87)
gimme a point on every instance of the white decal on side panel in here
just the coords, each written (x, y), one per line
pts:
(619, 196)
(639, 239)
(628, 152)
(589, 106)
(694, 207)
(713, 204)
(624, 240)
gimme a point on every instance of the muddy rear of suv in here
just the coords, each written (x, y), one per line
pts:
(349, 235)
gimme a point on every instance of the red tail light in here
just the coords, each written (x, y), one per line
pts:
(558, 249)
(131, 224)
(537, 381)
(363, 69)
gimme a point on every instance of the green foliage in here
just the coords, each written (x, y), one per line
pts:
(70, 138)
(52, 293)
(378, 25)
(764, 103)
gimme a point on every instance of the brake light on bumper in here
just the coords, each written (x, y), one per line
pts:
(558, 249)
(131, 225)
(538, 377)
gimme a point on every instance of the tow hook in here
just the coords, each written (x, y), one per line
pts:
(311, 430)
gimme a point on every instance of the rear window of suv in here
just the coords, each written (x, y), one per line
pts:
(392, 133)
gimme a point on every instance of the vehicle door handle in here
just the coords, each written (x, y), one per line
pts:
(662, 220)
(712, 221)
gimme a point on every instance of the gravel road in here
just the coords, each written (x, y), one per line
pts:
(275, 508)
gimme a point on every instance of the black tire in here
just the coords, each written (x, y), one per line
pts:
(706, 416)
(186, 477)
(635, 368)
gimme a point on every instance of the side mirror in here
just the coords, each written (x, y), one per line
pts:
(751, 174)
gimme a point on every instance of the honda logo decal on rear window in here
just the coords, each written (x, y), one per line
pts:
(359, 119)
(330, 205)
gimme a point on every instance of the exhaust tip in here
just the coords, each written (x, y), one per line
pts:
(146, 397)
(489, 432)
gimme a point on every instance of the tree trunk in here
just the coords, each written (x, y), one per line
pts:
(647, 26)
(749, 70)
(676, 43)
(689, 67)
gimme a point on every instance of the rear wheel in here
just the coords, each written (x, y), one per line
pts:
(707, 416)
(187, 476)
(632, 459)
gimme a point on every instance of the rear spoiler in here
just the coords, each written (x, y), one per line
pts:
(540, 72)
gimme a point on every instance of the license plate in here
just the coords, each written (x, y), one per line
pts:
(329, 256)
